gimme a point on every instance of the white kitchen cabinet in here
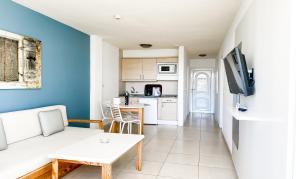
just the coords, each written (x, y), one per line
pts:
(150, 111)
(167, 111)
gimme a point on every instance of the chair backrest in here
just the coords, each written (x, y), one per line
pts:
(105, 108)
(116, 113)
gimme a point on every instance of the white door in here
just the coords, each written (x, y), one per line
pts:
(200, 91)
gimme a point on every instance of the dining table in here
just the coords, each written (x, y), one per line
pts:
(133, 108)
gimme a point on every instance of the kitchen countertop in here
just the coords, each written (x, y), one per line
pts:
(133, 105)
(143, 96)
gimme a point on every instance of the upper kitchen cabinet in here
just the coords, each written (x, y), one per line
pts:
(149, 69)
(132, 69)
(167, 60)
(139, 70)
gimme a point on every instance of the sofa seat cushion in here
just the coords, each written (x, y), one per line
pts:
(28, 155)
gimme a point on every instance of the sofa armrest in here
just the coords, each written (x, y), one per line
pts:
(100, 122)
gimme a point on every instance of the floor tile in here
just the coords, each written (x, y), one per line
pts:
(185, 159)
(196, 150)
(150, 168)
(216, 173)
(216, 161)
(160, 177)
(179, 171)
(185, 148)
(124, 175)
(154, 156)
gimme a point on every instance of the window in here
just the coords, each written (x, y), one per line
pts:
(9, 60)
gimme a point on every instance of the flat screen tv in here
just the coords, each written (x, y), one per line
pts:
(240, 81)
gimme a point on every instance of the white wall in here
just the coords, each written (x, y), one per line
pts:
(203, 63)
(104, 71)
(149, 53)
(168, 87)
(183, 82)
(96, 76)
(294, 123)
(263, 27)
(110, 72)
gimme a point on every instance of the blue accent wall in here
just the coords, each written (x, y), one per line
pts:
(65, 62)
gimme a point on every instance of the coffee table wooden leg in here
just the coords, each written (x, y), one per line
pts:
(106, 172)
(139, 156)
(141, 117)
(54, 169)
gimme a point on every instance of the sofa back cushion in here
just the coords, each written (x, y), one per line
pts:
(51, 122)
(20, 125)
(3, 142)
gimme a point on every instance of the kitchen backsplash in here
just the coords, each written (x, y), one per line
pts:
(168, 87)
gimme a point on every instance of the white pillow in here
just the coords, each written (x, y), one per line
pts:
(3, 142)
(51, 122)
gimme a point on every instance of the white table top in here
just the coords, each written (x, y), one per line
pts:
(92, 150)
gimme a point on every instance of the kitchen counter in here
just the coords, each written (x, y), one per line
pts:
(134, 105)
(143, 96)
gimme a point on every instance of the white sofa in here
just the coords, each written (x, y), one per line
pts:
(27, 148)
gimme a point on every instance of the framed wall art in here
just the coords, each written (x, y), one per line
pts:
(20, 61)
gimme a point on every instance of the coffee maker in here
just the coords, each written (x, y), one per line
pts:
(153, 90)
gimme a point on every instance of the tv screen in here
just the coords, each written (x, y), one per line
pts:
(238, 77)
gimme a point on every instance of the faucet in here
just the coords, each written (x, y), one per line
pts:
(133, 90)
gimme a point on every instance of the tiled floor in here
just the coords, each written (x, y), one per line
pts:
(195, 151)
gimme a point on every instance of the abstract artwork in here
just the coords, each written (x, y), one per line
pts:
(20, 61)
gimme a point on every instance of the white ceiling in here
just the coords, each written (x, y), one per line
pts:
(199, 25)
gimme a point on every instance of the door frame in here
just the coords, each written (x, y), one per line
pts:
(212, 88)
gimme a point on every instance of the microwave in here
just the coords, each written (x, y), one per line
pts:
(167, 71)
(167, 68)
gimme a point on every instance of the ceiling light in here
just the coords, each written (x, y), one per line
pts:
(117, 16)
(202, 55)
(146, 45)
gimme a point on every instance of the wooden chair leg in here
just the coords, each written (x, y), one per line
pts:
(111, 126)
(140, 130)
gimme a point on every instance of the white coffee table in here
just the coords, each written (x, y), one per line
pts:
(91, 151)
